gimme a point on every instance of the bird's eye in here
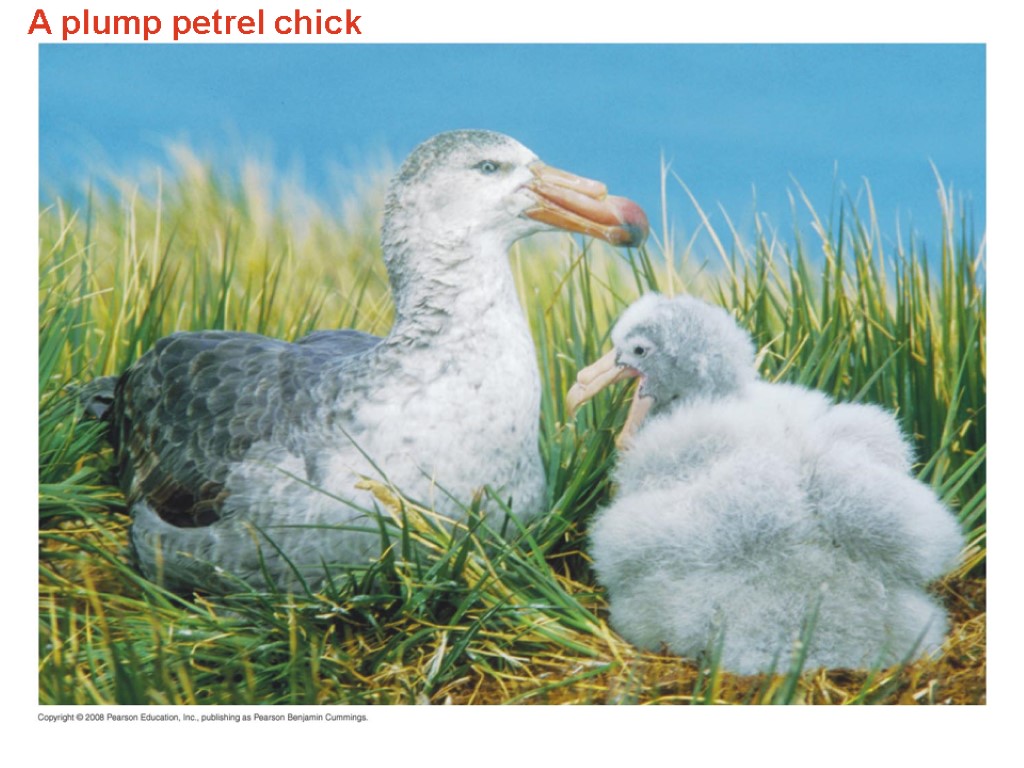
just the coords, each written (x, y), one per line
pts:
(639, 351)
(487, 166)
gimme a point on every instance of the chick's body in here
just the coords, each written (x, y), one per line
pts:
(749, 516)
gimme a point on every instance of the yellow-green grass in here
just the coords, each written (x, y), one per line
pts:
(461, 613)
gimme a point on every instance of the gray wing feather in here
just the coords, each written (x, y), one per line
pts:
(193, 406)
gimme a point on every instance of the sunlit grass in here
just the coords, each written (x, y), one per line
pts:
(462, 613)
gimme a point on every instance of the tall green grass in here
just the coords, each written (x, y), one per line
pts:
(462, 613)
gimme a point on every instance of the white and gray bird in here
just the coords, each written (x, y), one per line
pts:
(747, 509)
(239, 454)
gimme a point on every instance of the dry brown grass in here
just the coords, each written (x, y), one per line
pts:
(957, 677)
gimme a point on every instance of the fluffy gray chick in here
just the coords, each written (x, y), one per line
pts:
(750, 514)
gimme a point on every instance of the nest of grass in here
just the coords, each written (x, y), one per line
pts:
(503, 628)
(956, 677)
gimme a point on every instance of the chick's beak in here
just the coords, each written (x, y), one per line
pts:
(602, 374)
(571, 202)
(594, 378)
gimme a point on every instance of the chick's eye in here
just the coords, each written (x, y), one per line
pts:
(487, 166)
(639, 351)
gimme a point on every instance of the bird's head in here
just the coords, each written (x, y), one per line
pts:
(462, 185)
(679, 349)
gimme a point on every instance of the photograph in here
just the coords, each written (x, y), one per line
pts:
(511, 373)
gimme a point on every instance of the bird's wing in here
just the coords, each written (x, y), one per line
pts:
(196, 403)
(869, 428)
(339, 343)
(876, 510)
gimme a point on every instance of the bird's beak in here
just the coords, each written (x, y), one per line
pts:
(604, 373)
(572, 202)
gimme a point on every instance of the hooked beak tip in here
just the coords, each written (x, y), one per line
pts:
(577, 204)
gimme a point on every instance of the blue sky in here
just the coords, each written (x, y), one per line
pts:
(731, 119)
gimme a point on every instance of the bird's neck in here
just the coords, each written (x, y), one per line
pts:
(445, 290)
(704, 396)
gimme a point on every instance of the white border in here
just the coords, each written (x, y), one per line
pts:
(541, 734)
